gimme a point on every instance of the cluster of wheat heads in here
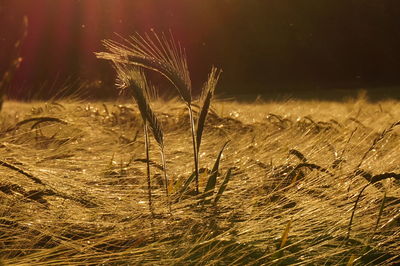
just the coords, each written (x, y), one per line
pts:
(163, 55)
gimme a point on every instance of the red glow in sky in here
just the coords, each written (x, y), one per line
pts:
(64, 34)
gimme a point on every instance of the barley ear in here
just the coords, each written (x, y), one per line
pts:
(208, 92)
(132, 78)
(154, 52)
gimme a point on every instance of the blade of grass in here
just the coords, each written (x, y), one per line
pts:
(186, 185)
(285, 234)
(354, 210)
(212, 180)
(351, 260)
(380, 213)
(223, 185)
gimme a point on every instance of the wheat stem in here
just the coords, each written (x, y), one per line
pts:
(195, 152)
(164, 166)
(134, 79)
(147, 148)
(354, 210)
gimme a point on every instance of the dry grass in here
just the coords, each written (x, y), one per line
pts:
(90, 206)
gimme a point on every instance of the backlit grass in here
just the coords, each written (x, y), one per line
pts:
(294, 176)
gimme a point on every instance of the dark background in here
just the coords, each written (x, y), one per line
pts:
(303, 48)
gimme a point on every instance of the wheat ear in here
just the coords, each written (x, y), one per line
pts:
(208, 93)
(134, 79)
(157, 53)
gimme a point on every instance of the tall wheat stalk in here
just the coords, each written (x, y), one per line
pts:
(165, 56)
(134, 79)
(195, 150)
(205, 103)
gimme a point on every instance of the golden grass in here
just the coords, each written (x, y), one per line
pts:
(96, 157)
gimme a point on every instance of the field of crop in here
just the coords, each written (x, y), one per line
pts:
(74, 191)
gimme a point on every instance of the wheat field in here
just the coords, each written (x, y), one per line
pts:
(73, 188)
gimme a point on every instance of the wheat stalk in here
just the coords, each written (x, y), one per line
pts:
(163, 55)
(208, 92)
(147, 151)
(134, 79)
